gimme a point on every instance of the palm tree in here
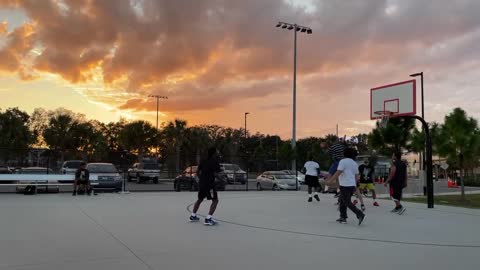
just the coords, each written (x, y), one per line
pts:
(138, 136)
(196, 143)
(459, 141)
(15, 135)
(60, 133)
(174, 134)
(393, 138)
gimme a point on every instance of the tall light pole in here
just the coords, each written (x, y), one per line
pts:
(420, 74)
(247, 113)
(158, 98)
(303, 29)
(246, 134)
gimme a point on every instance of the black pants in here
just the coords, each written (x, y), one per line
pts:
(346, 201)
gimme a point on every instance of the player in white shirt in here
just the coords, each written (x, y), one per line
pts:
(312, 171)
(348, 175)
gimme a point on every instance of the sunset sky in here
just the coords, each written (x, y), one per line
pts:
(216, 59)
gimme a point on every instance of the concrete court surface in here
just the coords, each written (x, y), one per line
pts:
(257, 230)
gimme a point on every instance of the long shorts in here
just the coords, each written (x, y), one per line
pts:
(208, 193)
(396, 192)
(83, 182)
(333, 167)
(312, 181)
(369, 186)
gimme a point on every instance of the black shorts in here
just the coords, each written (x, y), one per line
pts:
(209, 193)
(312, 181)
(396, 192)
(83, 182)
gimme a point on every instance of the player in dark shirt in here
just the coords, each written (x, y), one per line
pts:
(82, 177)
(207, 171)
(336, 153)
(398, 181)
(366, 180)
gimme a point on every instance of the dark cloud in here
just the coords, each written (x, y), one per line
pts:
(212, 53)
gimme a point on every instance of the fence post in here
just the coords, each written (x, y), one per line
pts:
(246, 183)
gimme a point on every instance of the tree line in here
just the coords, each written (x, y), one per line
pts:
(69, 135)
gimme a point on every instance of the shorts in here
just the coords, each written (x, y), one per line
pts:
(208, 193)
(369, 186)
(312, 181)
(83, 182)
(396, 192)
(334, 167)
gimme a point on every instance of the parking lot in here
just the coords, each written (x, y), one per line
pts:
(414, 187)
(257, 230)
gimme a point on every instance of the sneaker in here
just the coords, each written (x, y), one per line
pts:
(363, 208)
(355, 202)
(342, 220)
(194, 219)
(210, 222)
(316, 197)
(310, 199)
(361, 219)
(401, 210)
(395, 210)
(336, 195)
(74, 193)
(376, 204)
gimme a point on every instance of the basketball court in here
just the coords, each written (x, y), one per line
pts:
(257, 230)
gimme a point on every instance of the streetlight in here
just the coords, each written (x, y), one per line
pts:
(158, 98)
(247, 113)
(423, 116)
(302, 29)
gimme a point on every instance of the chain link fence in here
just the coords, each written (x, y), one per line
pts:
(137, 172)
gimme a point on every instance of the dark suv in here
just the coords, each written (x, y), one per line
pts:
(188, 180)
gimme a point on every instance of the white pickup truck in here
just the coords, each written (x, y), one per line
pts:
(143, 172)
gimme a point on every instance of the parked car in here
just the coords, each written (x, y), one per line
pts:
(276, 180)
(332, 188)
(300, 176)
(106, 175)
(70, 166)
(234, 173)
(188, 180)
(143, 172)
(5, 170)
(32, 171)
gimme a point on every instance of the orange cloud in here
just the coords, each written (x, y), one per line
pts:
(3, 28)
(18, 44)
(214, 54)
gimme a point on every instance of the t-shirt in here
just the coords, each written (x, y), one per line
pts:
(207, 170)
(400, 173)
(312, 168)
(336, 151)
(366, 173)
(82, 174)
(349, 169)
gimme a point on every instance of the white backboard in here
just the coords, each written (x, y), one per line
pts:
(398, 98)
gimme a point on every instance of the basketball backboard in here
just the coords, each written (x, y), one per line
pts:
(398, 99)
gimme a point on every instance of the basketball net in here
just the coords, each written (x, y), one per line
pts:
(384, 117)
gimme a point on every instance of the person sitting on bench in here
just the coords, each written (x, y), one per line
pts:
(82, 177)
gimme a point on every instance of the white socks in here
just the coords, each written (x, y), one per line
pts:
(194, 215)
(310, 195)
(209, 216)
(316, 193)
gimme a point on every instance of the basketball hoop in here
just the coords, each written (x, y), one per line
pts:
(383, 117)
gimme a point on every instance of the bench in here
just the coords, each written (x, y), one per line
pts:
(41, 180)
